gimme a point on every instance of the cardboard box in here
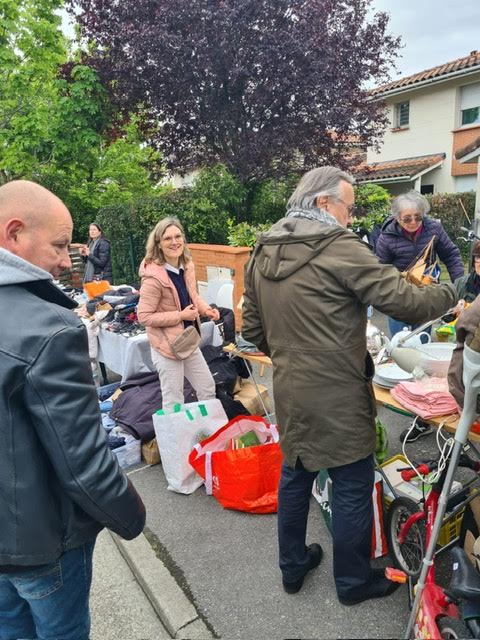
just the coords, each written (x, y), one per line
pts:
(150, 452)
(238, 385)
(468, 547)
(115, 394)
(248, 396)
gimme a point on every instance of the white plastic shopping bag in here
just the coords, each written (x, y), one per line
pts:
(178, 431)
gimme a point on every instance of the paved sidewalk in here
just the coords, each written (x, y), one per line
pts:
(208, 572)
(119, 607)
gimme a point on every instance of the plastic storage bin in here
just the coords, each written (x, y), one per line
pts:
(451, 529)
(130, 454)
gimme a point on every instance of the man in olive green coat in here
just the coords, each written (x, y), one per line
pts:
(308, 285)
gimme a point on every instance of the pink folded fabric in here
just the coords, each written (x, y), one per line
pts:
(426, 398)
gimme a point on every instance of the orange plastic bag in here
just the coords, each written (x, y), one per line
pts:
(242, 479)
(96, 287)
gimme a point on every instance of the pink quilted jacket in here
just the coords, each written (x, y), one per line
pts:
(159, 305)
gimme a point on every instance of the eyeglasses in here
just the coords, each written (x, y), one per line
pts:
(170, 239)
(349, 207)
(408, 219)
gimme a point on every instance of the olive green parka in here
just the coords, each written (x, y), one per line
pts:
(307, 288)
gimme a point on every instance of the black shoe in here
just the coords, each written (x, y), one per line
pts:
(379, 587)
(419, 430)
(315, 554)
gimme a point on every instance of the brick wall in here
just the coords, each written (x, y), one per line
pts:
(462, 137)
(219, 255)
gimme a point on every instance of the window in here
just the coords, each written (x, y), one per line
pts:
(426, 188)
(470, 104)
(470, 116)
(402, 114)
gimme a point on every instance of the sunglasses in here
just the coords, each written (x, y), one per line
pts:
(408, 219)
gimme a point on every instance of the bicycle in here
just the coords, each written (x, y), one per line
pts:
(409, 529)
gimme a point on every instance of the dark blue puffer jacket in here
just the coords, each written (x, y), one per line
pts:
(393, 247)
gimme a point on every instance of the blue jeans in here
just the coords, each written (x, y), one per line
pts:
(49, 602)
(352, 519)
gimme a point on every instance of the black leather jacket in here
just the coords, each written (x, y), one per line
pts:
(59, 483)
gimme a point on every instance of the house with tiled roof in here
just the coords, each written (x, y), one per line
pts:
(432, 114)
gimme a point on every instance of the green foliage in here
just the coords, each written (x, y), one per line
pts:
(269, 199)
(447, 207)
(244, 234)
(221, 188)
(79, 119)
(120, 172)
(31, 49)
(56, 121)
(126, 169)
(204, 210)
(372, 204)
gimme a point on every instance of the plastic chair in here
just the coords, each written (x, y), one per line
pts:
(213, 287)
(225, 296)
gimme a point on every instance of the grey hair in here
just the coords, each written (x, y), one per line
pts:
(410, 200)
(324, 181)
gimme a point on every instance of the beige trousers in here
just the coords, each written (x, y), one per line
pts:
(171, 374)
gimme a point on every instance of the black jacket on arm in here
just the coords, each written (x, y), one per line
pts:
(59, 483)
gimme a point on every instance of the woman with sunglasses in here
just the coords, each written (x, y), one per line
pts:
(407, 232)
(402, 239)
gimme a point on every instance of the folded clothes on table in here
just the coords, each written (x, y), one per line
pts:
(426, 398)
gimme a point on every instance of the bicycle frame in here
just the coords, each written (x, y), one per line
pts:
(434, 602)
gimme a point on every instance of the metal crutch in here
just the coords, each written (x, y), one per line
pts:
(471, 381)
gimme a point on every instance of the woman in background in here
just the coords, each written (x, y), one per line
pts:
(468, 286)
(96, 255)
(169, 302)
(402, 239)
(404, 236)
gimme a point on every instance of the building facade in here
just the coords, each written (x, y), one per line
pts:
(432, 114)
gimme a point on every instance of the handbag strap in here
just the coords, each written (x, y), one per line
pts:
(208, 473)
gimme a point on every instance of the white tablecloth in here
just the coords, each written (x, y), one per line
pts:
(130, 356)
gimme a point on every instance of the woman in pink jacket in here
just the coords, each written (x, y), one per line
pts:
(169, 302)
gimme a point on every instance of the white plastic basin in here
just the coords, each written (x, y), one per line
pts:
(436, 358)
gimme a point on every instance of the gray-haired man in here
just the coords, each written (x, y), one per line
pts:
(308, 285)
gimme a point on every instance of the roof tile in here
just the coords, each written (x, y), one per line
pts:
(402, 168)
(472, 60)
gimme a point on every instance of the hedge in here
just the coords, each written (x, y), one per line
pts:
(206, 213)
(128, 226)
(450, 209)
